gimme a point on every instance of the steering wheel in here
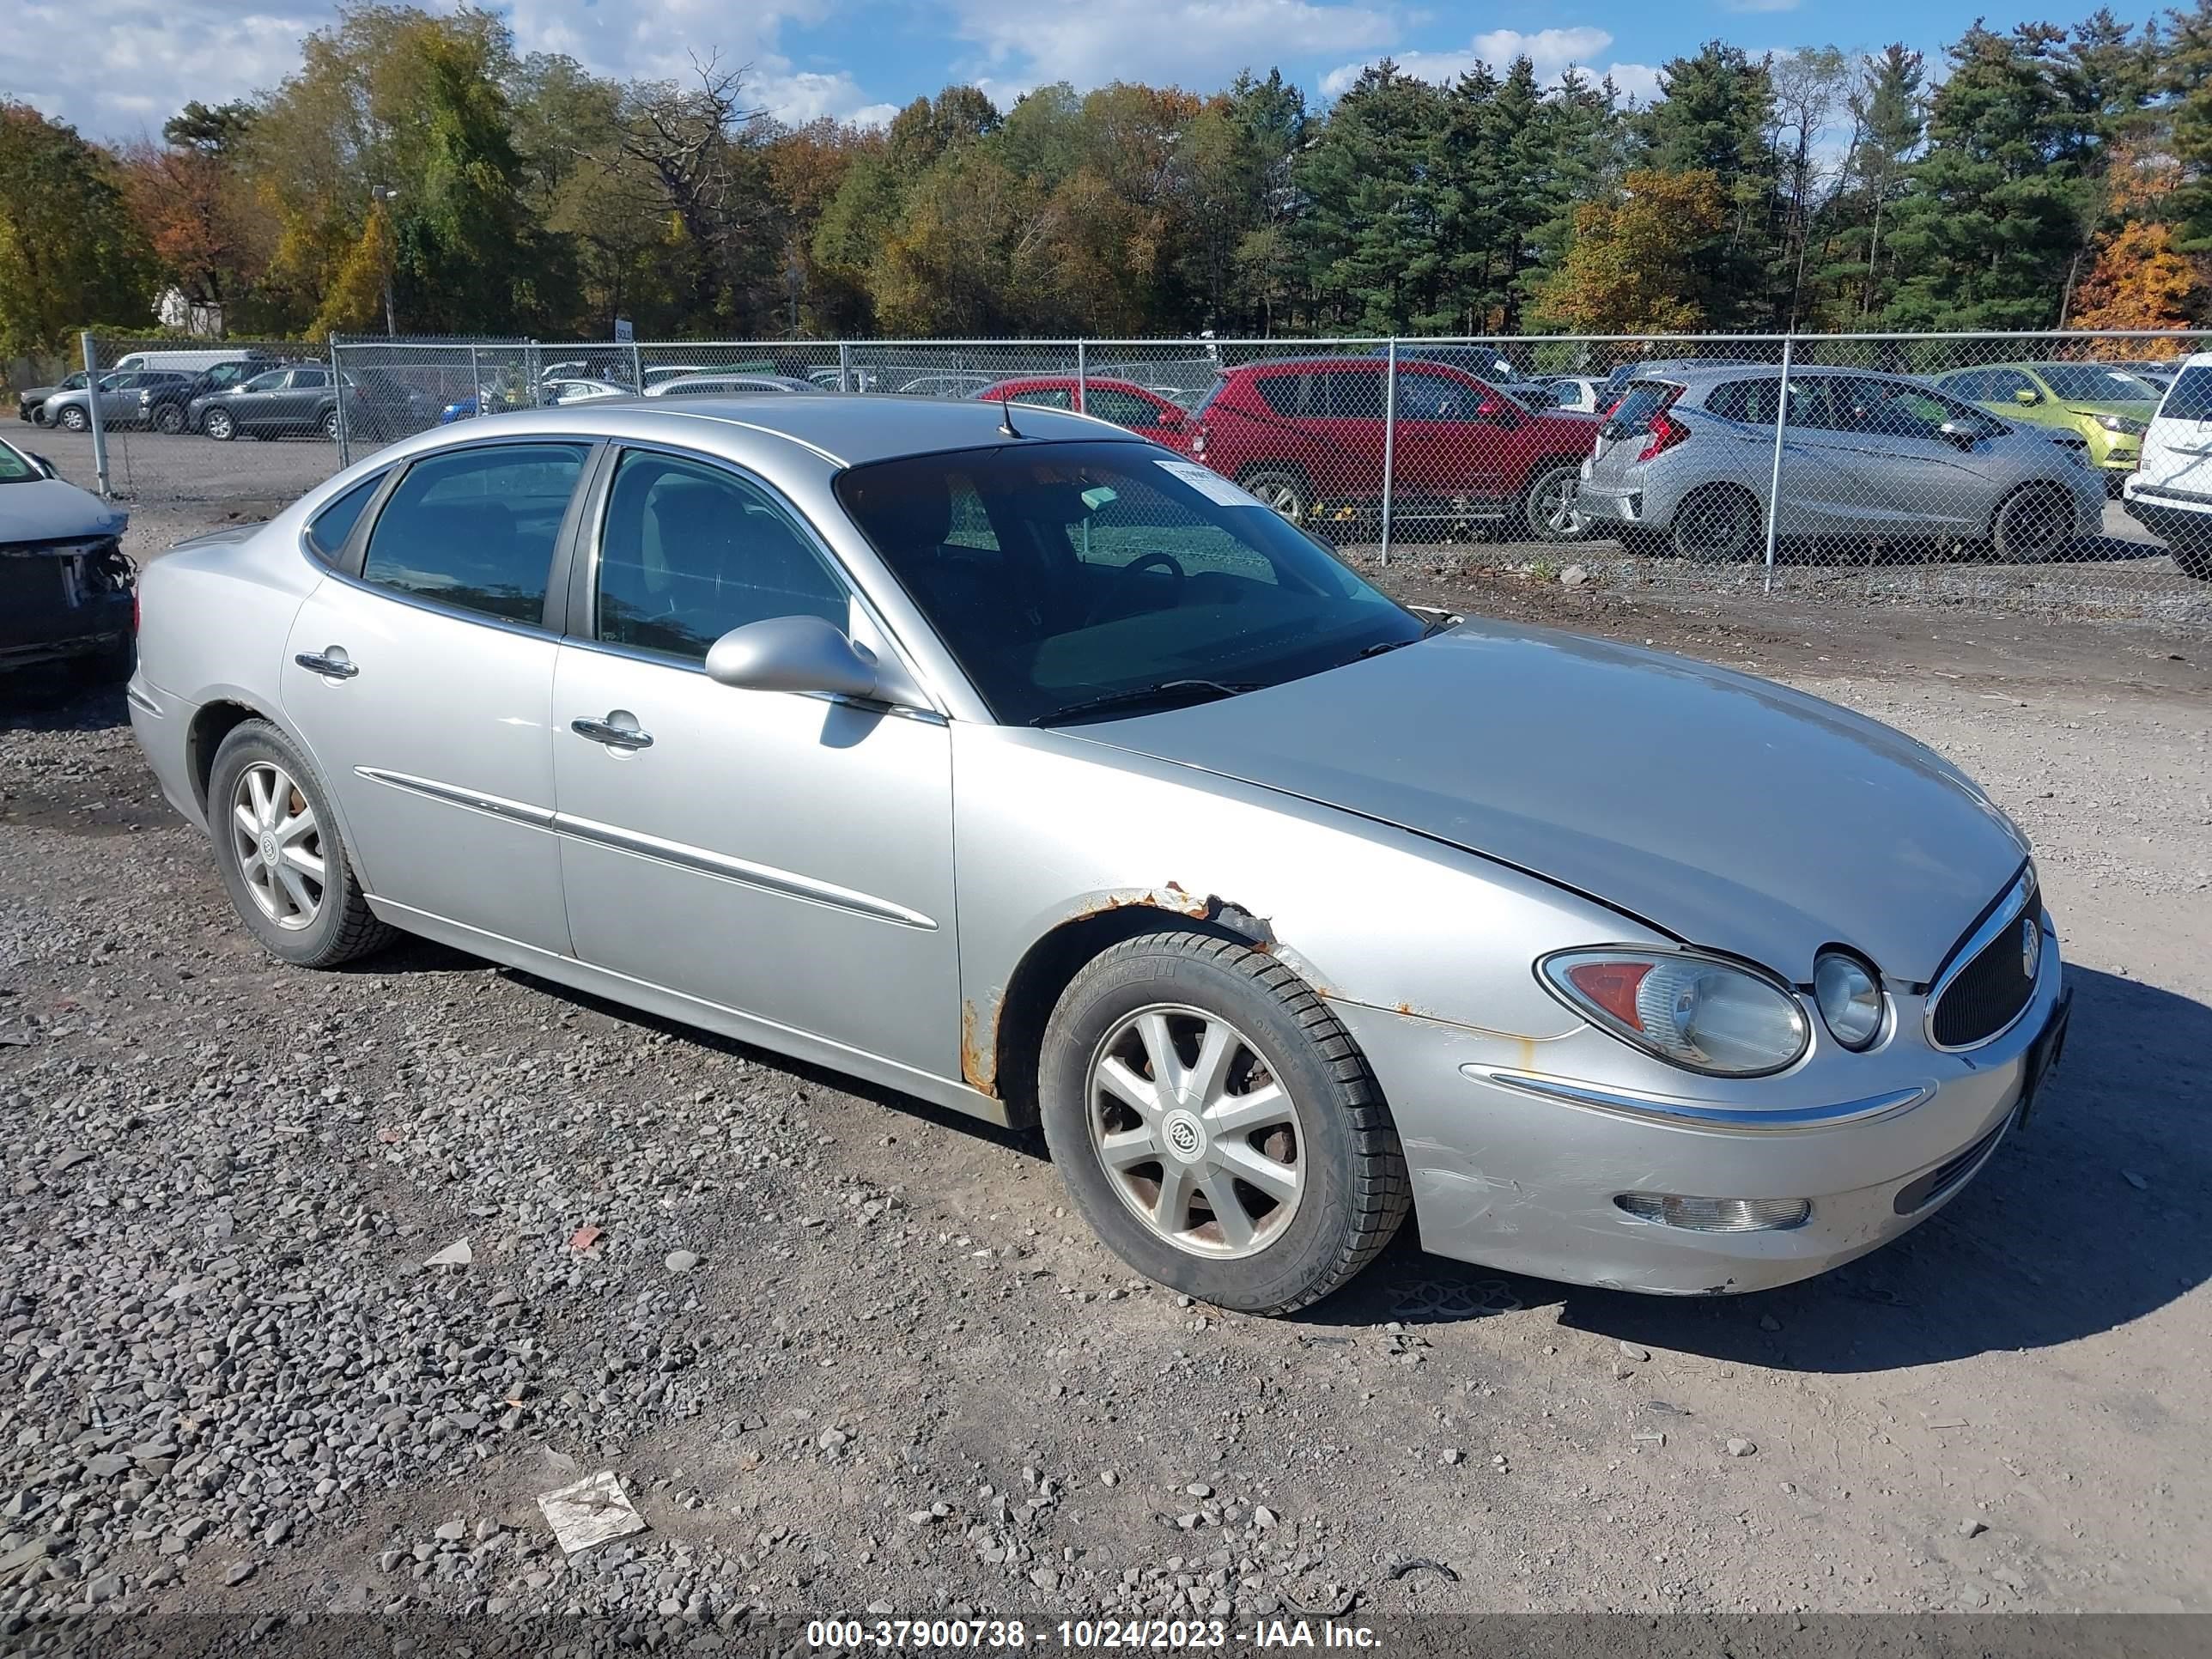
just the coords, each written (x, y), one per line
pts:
(1152, 561)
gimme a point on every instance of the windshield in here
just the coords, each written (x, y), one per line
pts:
(1062, 574)
(2086, 383)
(15, 467)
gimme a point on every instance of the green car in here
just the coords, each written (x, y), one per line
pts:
(2110, 407)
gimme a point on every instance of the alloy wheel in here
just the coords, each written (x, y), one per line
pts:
(1551, 508)
(1281, 496)
(279, 845)
(1195, 1133)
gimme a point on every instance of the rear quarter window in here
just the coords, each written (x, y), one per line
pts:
(2190, 399)
(328, 530)
(1284, 393)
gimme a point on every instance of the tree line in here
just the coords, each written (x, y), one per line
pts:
(2042, 177)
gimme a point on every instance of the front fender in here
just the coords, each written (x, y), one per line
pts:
(1049, 830)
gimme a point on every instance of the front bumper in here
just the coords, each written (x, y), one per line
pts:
(1526, 1182)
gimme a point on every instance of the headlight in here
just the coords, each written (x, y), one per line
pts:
(2122, 424)
(1691, 1010)
(1850, 998)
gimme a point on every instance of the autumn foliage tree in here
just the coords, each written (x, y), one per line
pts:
(1636, 266)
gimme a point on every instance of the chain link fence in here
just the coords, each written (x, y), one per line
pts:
(1983, 471)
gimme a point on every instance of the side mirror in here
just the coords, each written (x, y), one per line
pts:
(1965, 434)
(2028, 397)
(46, 467)
(792, 653)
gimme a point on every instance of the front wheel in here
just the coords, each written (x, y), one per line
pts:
(1216, 1125)
(277, 844)
(219, 425)
(169, 418)
(331, 424)
(2032, 525)
(1548, 508)
(74, 419)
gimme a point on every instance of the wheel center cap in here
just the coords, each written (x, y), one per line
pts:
(1185, 1136)
(268, 847)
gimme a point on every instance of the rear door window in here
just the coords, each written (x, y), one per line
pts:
(1352, 394)
(1284, 393)
(475, 528)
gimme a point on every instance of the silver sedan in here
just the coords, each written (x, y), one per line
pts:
(1023, 766)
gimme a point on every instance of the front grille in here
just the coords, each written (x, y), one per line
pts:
(1988, 993)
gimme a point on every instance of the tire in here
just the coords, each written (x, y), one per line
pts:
(2193, 553)
(1719, 524)
(109, 665)
(2033, 522)
(169, 418)
(257, 763)
(1327, 1138)
(1550, 521)
(1644, 543)
(74, 419)
(329, 422)
(219, 426)
(1285, 489)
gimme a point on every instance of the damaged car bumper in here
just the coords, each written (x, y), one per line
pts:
(1525, 1158)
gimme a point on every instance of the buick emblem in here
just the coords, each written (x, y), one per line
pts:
(2031, 946)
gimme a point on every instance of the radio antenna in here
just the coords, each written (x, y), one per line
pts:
(1006, 416)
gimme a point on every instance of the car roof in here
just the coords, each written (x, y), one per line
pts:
(733, 377)
(842, 427)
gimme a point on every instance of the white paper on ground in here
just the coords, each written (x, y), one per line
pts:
(1209, 483)
(590, 1512)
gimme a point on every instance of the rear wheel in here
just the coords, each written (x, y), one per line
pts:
(278, 847)
(1548, 508)
(2033, 524)
(1282, 488)
(219, 425)
(331, 424)
(169, 418)
(1720, 524)
(1217, 1125)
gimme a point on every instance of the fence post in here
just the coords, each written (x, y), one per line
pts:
(636, 368)
(92, 409)
(1082, 375)
(338, 402)
(844, 365)
(476, 383)
(1390, 438)
(1774, 481)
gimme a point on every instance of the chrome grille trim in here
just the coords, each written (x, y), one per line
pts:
(2016, 900)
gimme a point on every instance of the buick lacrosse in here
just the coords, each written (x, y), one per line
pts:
(1006, 759)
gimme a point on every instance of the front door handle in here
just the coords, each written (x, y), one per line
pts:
(610, 732)
(331, 662)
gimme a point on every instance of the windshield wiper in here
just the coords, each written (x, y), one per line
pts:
(1431, 626)
(1166, 691)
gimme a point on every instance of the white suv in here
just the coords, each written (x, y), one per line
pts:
(2170, 493)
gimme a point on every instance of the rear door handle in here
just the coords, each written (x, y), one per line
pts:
(614, 736)
(331, 662)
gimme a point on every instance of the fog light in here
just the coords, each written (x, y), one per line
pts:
(1717, 1215)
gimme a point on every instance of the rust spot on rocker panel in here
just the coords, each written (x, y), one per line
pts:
(979, 1057)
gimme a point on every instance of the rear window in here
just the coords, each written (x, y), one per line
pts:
(1641, 402)
(2191, 397)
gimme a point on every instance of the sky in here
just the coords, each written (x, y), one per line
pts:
(118, 68)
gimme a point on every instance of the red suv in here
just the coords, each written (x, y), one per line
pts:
(1122, 402)
(1306, 437)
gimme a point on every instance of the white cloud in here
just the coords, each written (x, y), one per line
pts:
(1198, 44)
(153, 55)
(1552, 52)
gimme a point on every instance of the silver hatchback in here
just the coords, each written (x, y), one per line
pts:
(1014, 762)
(1685, 462)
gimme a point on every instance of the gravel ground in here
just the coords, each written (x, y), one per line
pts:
(847, 1353)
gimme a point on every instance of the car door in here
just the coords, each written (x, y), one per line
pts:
(305, 389)
(420, 673)
(1900, 464)
(786, 856)
(1453, 438)
(2177, 451)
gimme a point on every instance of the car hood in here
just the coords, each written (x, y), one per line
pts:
(1732, 812)
(47, 509)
